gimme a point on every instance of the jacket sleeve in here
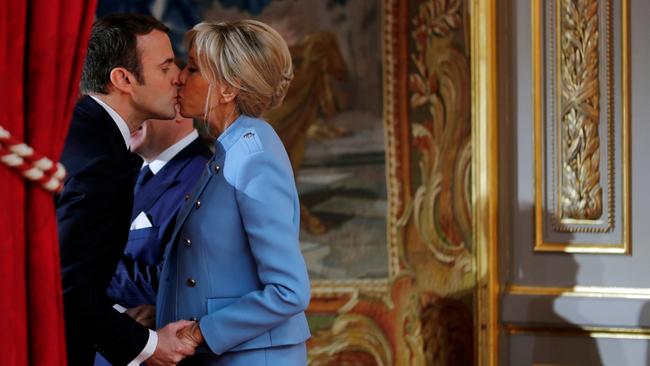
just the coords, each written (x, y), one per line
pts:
(269, 208)
(92, 213)
(135, 282)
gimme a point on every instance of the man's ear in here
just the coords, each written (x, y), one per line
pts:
(122, 79)
(228, 93)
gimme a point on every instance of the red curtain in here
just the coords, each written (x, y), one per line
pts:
(42, 47)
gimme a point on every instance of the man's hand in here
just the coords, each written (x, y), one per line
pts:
(171, 349)
(191, 335)
(143, 314)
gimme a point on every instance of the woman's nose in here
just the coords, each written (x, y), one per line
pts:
(182, 77)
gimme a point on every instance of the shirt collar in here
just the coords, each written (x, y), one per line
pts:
(119, 121)
(164, 157)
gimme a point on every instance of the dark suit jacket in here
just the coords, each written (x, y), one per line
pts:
(93, 213)
(136, 279)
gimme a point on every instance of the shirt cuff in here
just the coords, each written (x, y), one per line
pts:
(148, 350)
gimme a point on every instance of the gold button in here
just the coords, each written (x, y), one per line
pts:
(217, 168)
(188, 242)
(191, 282)
(198, 204)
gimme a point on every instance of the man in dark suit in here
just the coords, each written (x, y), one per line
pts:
(129, 76)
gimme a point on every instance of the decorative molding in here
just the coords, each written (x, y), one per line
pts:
(576, 87)
(589, 332)
(579, 110)
(583, 224)
(485, 186)
(619, 307)
(581, 291)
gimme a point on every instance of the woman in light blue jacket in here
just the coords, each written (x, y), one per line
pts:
(234, 264)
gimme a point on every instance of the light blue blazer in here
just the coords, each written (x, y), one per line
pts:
(234, 262)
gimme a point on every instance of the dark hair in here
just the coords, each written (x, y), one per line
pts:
(113, 44)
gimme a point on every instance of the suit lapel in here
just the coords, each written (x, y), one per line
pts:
(167, 177)
(153, 190)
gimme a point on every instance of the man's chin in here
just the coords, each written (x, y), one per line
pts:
(169, 114)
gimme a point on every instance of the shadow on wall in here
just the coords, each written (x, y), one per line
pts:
(644, 322)
(558, 337)
(577, 347)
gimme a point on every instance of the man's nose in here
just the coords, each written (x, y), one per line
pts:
(176, 76)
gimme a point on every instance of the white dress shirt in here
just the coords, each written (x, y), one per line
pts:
(152, 342)
(164, 157)
(142, 220)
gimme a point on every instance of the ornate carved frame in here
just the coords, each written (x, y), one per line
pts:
(559, 87)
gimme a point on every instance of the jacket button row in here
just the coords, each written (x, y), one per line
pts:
(188, 242)
(191, 282)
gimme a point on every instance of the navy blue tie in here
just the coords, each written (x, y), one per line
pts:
(143, 177)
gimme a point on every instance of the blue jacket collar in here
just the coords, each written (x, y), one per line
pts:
(228, 138)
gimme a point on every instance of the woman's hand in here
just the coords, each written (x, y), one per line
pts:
(191, 335)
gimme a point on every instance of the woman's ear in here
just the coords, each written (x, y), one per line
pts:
(122, 79)
(228, 93)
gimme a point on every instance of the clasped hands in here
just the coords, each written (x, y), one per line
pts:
(175, 341)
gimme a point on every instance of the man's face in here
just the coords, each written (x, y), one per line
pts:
(156, 96)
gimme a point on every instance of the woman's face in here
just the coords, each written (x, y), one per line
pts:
(193, 89)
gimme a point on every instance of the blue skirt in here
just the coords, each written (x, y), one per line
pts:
(294, 355)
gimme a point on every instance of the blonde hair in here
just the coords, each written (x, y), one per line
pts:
(247, 55)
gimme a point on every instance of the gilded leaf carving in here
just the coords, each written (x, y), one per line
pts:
(581, 192)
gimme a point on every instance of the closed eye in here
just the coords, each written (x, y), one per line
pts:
(165, 66)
